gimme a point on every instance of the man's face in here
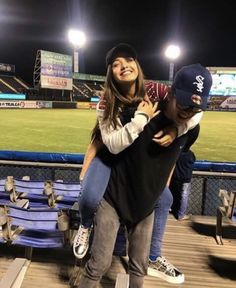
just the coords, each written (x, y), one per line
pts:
(178, 113)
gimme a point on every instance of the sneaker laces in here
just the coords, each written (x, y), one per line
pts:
(82, 236)
(168, 265)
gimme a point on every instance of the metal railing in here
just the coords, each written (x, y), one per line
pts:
(203, 199)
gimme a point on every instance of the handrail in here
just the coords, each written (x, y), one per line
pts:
(40, 164)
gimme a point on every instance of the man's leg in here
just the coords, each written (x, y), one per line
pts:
(139, 246)
(106, 225)
(158, 265)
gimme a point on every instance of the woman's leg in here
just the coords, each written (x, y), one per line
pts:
(162, 209)
(106, 225)
(139, 246)
(92, 190)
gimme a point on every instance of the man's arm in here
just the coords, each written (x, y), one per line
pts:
(190, 124)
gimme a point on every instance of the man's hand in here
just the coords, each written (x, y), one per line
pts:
(148, 108)
(166, 136)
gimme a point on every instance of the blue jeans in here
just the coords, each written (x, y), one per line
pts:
(180, 191)
(93, 188)
(162, 208)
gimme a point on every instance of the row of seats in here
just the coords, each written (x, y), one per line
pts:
(39, 214)
(43, 214)
(226, 211)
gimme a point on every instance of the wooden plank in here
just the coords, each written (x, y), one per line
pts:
(14, 276)
(190, 246)
(122, 280)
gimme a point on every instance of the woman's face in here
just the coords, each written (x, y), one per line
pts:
(124, 70)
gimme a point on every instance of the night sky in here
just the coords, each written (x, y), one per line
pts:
(204, 29)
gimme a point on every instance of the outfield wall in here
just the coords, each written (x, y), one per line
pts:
(208, 177)
(225, 104)
(77, 158)
(14, 104)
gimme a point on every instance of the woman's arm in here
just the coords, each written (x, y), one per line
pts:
(166, 136)
(120, 138)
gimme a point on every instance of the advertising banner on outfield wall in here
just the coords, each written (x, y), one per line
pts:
(83, 105)
(229, 103)
(56, 71)
(26, 104)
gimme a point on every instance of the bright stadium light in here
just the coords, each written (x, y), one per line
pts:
(172, 52)
(77, 39)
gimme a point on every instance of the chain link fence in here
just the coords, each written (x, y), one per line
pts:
(203, 198)
(41, 172)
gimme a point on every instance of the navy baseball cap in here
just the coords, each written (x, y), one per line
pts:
(121, 49)
(191, 86)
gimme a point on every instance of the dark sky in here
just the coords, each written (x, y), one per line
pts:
(204, 29)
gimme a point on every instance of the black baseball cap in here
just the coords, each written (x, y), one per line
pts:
(122, 49)
(191, 86)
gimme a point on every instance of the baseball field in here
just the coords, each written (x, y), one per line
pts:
(68, 130)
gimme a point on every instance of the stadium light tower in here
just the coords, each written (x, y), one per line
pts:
(77, 39)
(172, 52)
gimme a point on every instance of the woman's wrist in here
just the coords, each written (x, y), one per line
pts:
(143, 114)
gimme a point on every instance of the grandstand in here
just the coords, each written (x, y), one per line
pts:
(13, 85)
(55, 82)
(85, 90)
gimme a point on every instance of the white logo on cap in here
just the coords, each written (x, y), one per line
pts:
(199, 83)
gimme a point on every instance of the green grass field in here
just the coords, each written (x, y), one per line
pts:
(68, 130)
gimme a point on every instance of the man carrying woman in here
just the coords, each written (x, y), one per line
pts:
(140, 170)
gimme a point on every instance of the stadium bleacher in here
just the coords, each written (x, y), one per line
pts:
(12, 84)
(84, 88)
(82, 91)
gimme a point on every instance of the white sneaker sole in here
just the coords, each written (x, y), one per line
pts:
(80, 256)
(174, 280)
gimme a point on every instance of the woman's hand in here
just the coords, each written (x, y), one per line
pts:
(166, 136)
(148, 108)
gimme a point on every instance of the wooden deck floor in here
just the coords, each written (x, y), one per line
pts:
(189, 245)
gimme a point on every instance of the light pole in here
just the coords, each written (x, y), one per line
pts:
(172, 52)
(77, 39)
